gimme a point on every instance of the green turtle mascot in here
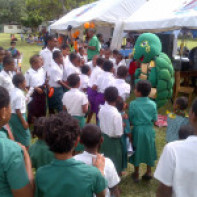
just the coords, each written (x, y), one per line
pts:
(156, 67)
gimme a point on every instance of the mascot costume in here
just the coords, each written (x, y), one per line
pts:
(155, 67)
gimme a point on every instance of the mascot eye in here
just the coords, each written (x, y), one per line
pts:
(145, 43)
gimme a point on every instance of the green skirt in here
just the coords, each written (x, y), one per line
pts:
(112, 148)
(144, 146)
(124, 152)
(20, 134)
(55, 102)
(81, 120)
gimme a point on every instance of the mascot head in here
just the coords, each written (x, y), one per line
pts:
(147, 46)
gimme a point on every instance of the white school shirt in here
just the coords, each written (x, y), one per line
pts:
(121, 63)
(177, 167)
(67, 63)
(73, 101)
(84, 79)
(47, 56)
(90, 64)
(94, 76)
(83, 57)
(104, 81)
(18, 100)
(6, 80)
(71, 69)
(56, 75)
(35, 78)
(123, 88)
(110, 121)
(110, 172)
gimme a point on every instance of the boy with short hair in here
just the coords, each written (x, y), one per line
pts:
(119, 62)
(13, 50)
(84, 78)
(120, 83)
(6, 74)
(82, 54)
(74, 178)
(75, 101)
(56, 82)
(92, 139)
(35, 79)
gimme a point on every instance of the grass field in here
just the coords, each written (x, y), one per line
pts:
(128, 188)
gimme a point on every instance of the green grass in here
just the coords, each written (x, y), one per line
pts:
(26, 49)
(128, 188)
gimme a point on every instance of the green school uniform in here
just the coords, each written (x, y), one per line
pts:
(20, 134)
(127, 130)
(70, 178)
(113, 149)
(81, 120)
(95, 43)
(143, 114)
(13, 174)
(40, 154)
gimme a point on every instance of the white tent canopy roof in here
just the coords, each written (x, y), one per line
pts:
(163, 15)
(109, 11)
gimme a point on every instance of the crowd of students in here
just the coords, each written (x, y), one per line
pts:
(72, 157)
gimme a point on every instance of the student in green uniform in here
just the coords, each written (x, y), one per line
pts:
(143, 114)
(93, 45)
(39, 151)
(127, 131)
(2, 55)
(18, 121)
(65, 176)
(16, 177)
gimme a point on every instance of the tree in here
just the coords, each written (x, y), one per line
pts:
(32, 20)
(11, 11)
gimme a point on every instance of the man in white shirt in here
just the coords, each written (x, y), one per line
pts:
(47, 54)
(92, 139)
(176, 170)
(120, 83)
(6, 74)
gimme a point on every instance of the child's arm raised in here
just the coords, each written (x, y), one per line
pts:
(23, 121)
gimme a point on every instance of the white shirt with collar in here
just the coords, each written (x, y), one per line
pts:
(177, 167)
(94, 76)
(123, 88)
(104, 81)
(84, 79)
(73, 100)
(83, 57)
(121, 63)
(71, 69)
(35, 78)
(110, 172)
(18, 100)
(90, 64)
(57, 75)
(6, 80)
(47, 56)
(110, 121)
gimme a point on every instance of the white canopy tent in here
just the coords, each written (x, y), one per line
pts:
(163, 15)
(102, 12)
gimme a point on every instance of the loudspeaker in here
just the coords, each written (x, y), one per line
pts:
(167, 41)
